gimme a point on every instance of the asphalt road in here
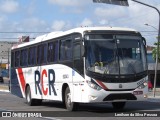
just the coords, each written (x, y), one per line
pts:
(56, 111)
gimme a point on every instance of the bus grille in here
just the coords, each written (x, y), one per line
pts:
(124, 96)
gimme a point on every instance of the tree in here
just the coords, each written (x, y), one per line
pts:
(154, 52)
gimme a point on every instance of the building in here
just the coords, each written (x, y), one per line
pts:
(5, 47)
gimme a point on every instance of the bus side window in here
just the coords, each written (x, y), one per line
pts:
(42, 53)
(32, 56)
(17, 58)
(29, 56)
(39, 54)
(66, 49)
(52, 51)
(24, 57)
(76, 50)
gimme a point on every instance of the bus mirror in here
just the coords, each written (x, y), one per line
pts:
(144, 41)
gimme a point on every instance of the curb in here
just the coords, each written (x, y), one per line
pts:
(154, 100)
(4, 91)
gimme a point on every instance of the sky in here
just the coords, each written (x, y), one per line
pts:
(36, 17)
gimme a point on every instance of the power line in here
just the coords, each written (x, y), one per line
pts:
(49, 32)
(22, 32)
(14, 38)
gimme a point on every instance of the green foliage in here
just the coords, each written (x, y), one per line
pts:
(154, 52)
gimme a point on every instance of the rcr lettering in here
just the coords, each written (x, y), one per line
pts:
(39, 80)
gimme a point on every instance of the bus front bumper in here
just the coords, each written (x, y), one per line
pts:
(113, 96)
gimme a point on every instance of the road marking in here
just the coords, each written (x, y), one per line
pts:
(4, 90)
(1, 109)
(51, 118)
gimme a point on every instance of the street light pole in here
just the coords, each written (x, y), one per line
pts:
(151, 26)
(157, 55)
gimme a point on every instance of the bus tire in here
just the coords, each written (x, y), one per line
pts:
(71, 106)
(118, 105)
(29, 100)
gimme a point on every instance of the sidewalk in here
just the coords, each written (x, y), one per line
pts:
(4, 85)
(153, 98)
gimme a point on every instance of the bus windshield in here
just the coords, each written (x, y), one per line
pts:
(115, 54)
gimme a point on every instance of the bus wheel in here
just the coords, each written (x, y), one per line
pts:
(71, 106)
(29, 100)
(118, 105)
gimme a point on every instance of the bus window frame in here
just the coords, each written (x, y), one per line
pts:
(35, 58)
(12, 59)
(69, 37)
(22, 57)
(16, 66)
(41, 45)
(56, 55)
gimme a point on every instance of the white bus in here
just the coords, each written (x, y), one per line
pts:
(82, 65)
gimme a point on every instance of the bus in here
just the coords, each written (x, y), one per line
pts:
(81, 65)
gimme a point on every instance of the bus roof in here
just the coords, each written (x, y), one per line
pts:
(57, 34)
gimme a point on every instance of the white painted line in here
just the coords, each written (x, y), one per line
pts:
(4, 90)
(51, 118)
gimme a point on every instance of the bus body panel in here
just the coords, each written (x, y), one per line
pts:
(92, 95)
(46, 80)
(15, 86)
(80, 90)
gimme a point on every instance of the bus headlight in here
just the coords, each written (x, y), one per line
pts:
(143, 85)
(93, 85)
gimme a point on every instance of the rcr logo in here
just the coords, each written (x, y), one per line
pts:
(39, 80)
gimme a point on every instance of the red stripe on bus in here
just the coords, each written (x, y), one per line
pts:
(22, 80)
(101, 84)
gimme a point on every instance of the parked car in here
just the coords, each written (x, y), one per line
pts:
(1, 79)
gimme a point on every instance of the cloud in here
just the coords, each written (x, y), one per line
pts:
(68, 2)
(31, 7)
(133, 16)
(110, 13)
(87, 22)
(103, 22)
(27, 24)
(58, 25)
(9, 6)
(71, 6)
(34, 24)
(65, 2)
